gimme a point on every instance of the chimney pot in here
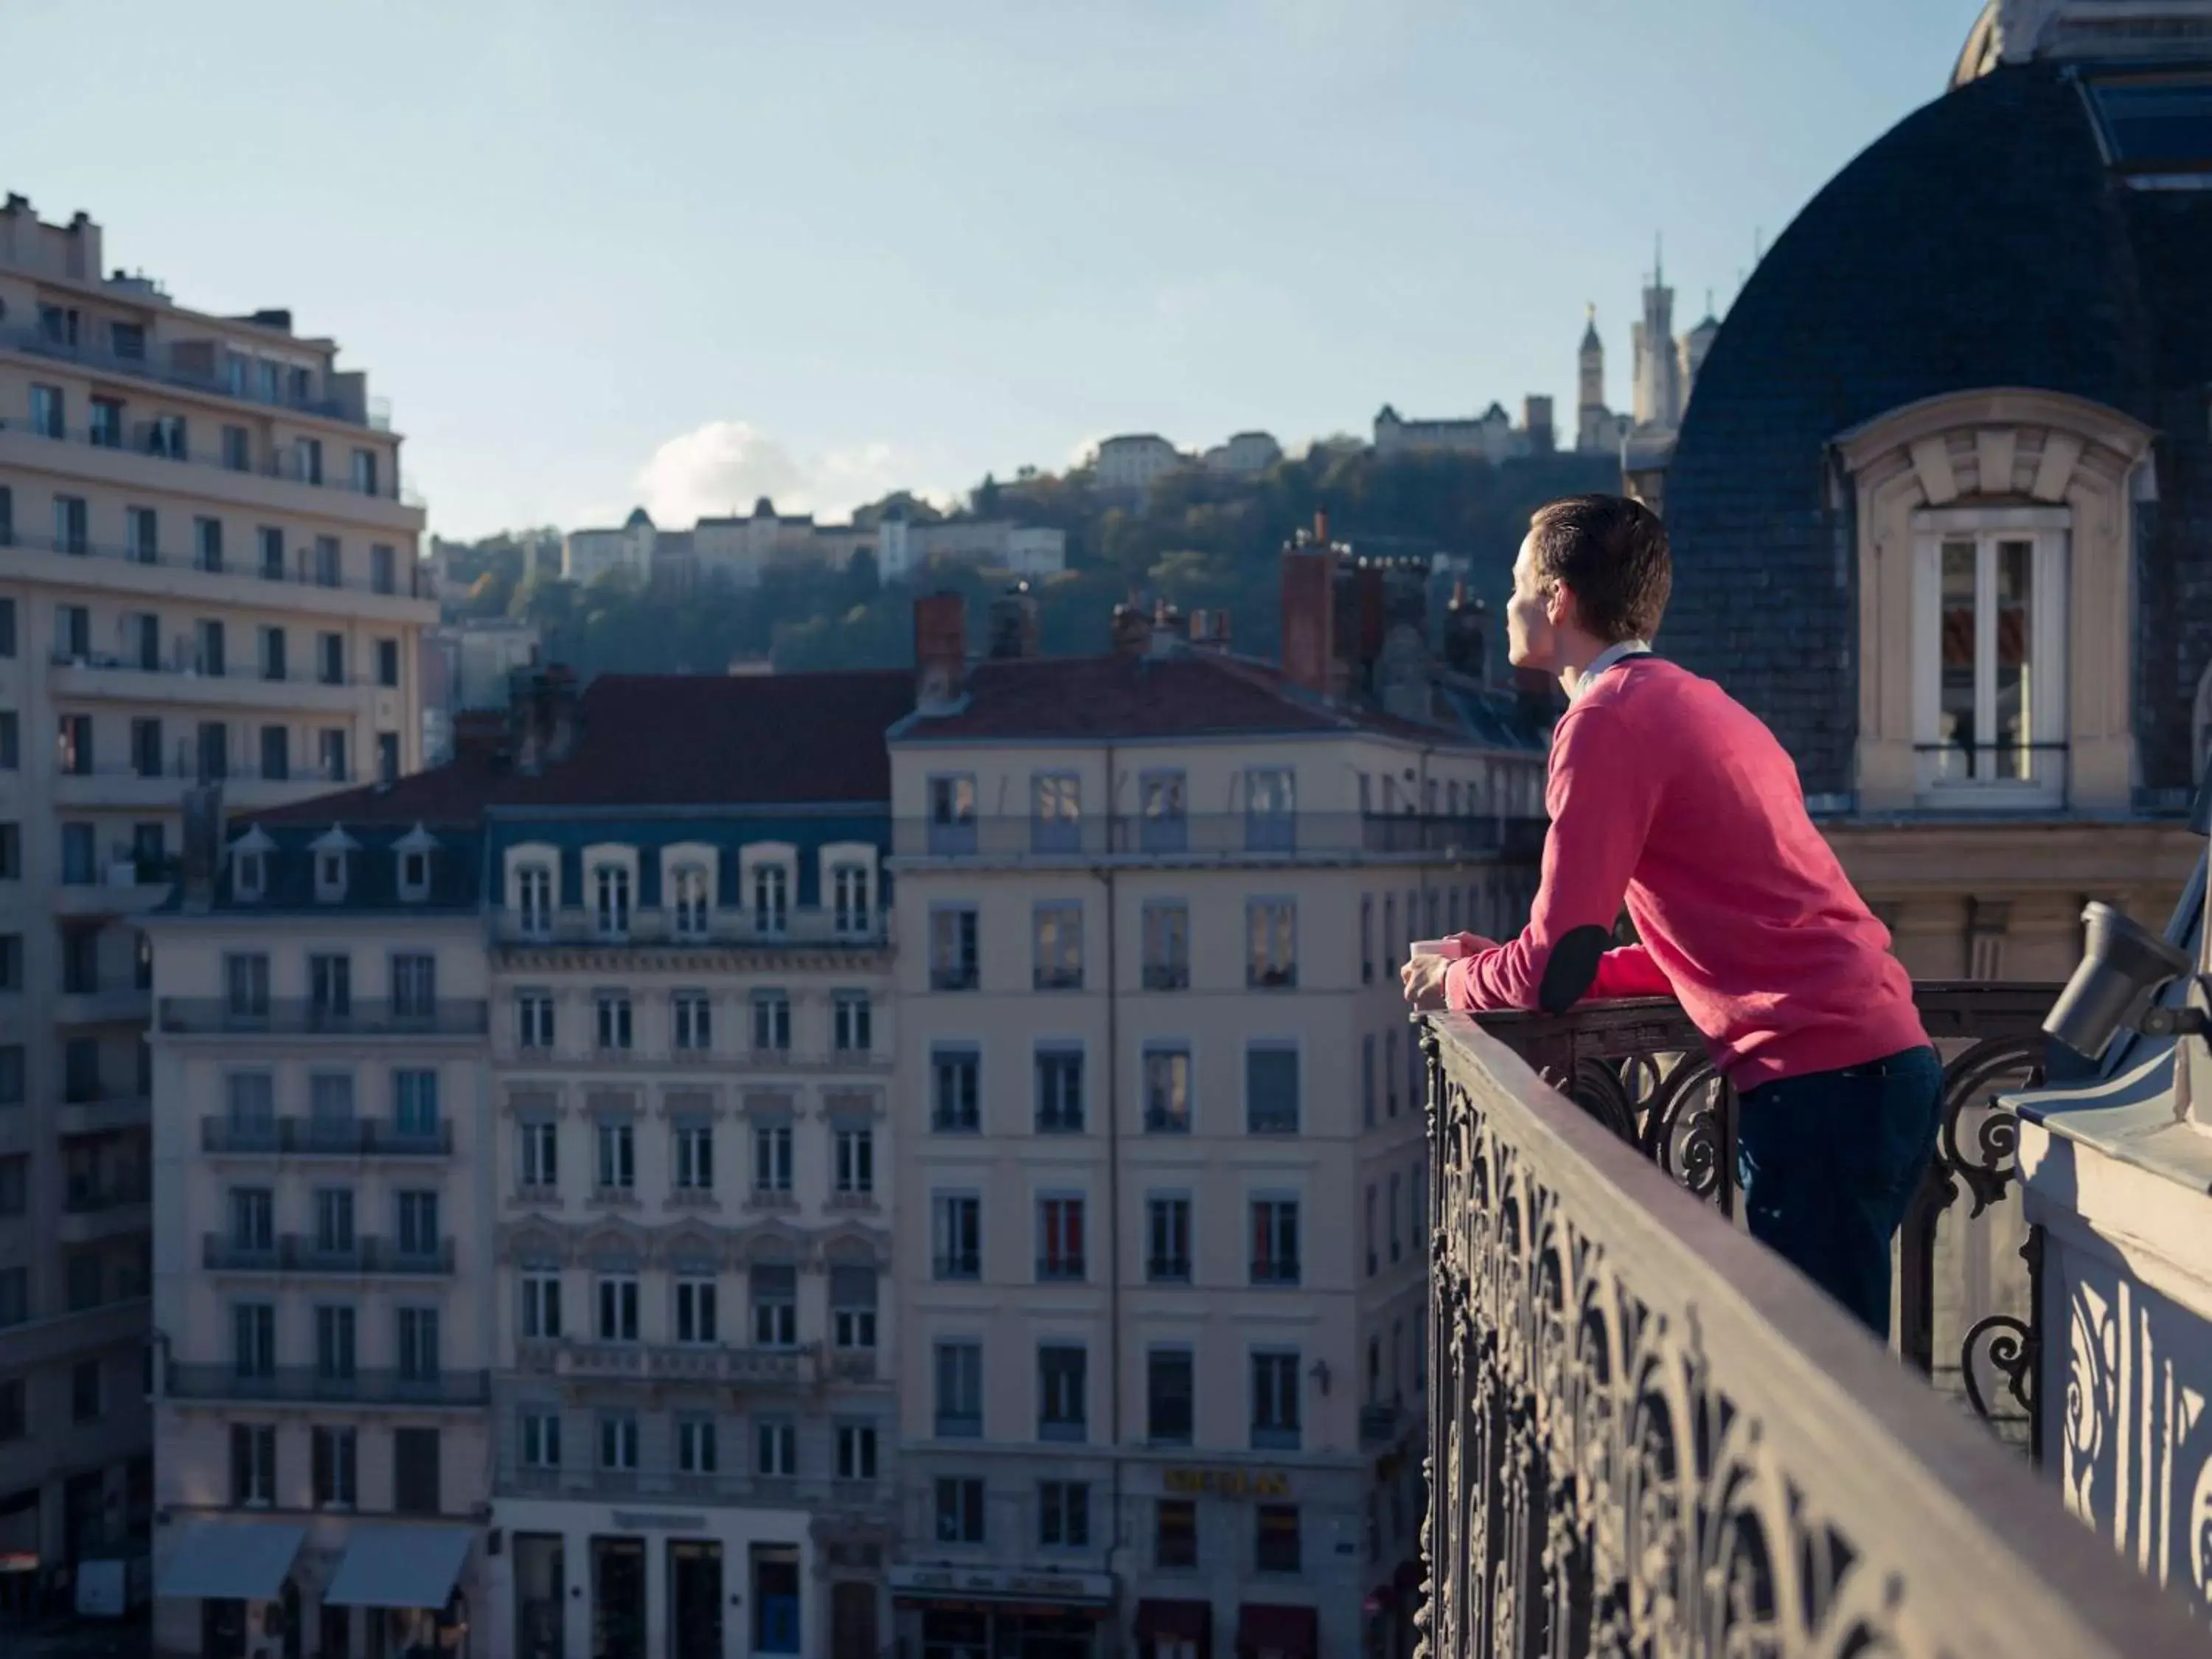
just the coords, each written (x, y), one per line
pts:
(940, 651)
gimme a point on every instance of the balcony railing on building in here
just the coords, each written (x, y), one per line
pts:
(449, 1016)
(660, 1473)
(1319, 836)
(800, 926)
(1647, 1434)
(219, 1382)
(297, 1253)
(191, 364)
(314, 1137)
(671, 1361)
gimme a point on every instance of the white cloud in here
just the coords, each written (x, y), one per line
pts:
(724, 466)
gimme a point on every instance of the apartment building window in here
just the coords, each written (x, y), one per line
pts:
(1175, 1533)
(417, 1346)
(80, 960)
(1062, 1412)
(541, 1306)
(253, 1465)
(106, 432)
(1374, 1257)
(11, 849)
(1270, 809)
(617, 1143)
(1064, 1515)
(246, 985)
(1060, 1238)
(141, 535)
(1391, 1072)
(1271, 930)
(250, 1108)
(364, 472)
(1167, 1089)
(1166, 945)
(253, 1339)
(538, 1156)
(695, 1452)
(1055, 812)
(854, 1156)
(959, 1371)
(853, 1307)
(689, 903)
(335, 1347)
(272, 654)
(956, 1093)
(237, 449)
(1169, 1391)
(541, 1440)
(1367, 1081)
(953, 961)
(694, 1157)
(383, 571)
(271, 541)
(331, 747)
(212, 659)
(775, 1449)
(307, 467)
(957, 1236)
(275, 753)
(775, 1305)
(1275, 1399)
(1059, 1090)
(165, 436)
(252, 1220)
(534, 1020)
(83, 1279)
(14, 1287)
(951, 813)
(334, 1230)
(78, 855)
(1394, 1199)
(11, 757)
(772, 1157)
(6, 606)
(613, 1010)
(11, 962)
(87, 1398)
(959, 1504)
(771, 899)
(1270, 1088)
(15, 1410)
(330, 986)
(415, 1104)
(72, 526)
(1163, 823)
(852, 910)
(771, 1022)
(415, 1471)
(414, 985)
(14, 1185)
(1277, 1534)
(1058, 955)
(695, 1310)
(1416, 1082)
(533, 900)
(207, 545)
(1167, 1239)
(851, 1023)
(619, 1442)
(1274, 1241)
(49, 417)
(329, 659)
(617, 1297)
(73, 745)
(72, 632)
(416, 1212)
(694, 1020)
(610, 900)
(333, 1456)
(8, 540)
(856, 1451)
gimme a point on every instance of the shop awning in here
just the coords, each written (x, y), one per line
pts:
(1266, 1627)
(1185, 1621)
(399, 1567)
(232, 1561)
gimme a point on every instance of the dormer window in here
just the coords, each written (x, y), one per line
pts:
(771, 898)
(413, 851)
(533, 900)
(610, 899)
(688, 902)
(249, 867)
(329, 852)
(848, 887)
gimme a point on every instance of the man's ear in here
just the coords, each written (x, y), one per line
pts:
(1558, 605)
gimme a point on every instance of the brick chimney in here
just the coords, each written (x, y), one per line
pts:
(940, 652)
(541, 716)
(1014, 632)
(1466, 634)
(1309, 589)
(1132, 626)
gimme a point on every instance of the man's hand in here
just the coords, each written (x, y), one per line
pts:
(1423, 978)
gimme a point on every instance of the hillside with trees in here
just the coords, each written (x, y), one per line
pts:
(1199, 540)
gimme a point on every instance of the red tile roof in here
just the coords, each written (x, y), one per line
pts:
(1190, 694)
(653, 740)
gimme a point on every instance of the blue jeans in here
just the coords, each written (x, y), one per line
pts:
(1829, 1163)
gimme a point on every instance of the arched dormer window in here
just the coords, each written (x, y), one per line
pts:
(609, 888)
(849, 885)
(687, 888)
(532, 889)
(249, 866)
(332, 851)
(412, 851)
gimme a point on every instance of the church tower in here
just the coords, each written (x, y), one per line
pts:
(1592, 418)
(1658, 368)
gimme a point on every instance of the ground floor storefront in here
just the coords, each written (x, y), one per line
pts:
(589, 1580)
(992, 1613)
(47, 1530)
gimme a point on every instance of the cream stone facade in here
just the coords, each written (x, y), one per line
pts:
(1160, 1275)
(206, 569)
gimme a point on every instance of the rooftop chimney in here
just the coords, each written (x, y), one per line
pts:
(1132, 630)
(1466, 634)
(542, 716)
(1014, 630)
(1308, 588)
(480, 733)
(1209, 629)
(940, 652)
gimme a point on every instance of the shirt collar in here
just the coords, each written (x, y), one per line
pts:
(1605, 658)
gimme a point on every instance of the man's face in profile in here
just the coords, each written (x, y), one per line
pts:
(1529, 638)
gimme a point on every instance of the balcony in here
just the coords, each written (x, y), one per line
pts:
(223, 1383)
(298, 1017)
(92, 1210)
(1218, 837)
(671, 1362)
(658, 1477)
(801, 928)
(294, 1253)
(161, 788)
(307, 1137)
(168, 572)
(1651, 1434)
(126, 887)
(180, 682)
(110, 1005)
(106, 1115)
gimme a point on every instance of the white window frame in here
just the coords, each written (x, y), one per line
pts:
(2048, 531)
(772, 1156)
(855, 1161)
(541, 1305)
(697, 1312)
(610, 889)
(538, 1153)
(693, 1145)
(692, 1021)
(533, 1020)
(614, 1310)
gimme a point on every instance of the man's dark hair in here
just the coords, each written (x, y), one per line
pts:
(1610, 552)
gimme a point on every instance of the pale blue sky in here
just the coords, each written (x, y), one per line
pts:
(683, 251)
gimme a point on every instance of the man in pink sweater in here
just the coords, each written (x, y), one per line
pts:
(1666, 793)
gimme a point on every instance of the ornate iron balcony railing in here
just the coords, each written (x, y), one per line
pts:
(1648, 1434)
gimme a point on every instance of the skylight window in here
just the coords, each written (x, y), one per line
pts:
(2156, 124)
